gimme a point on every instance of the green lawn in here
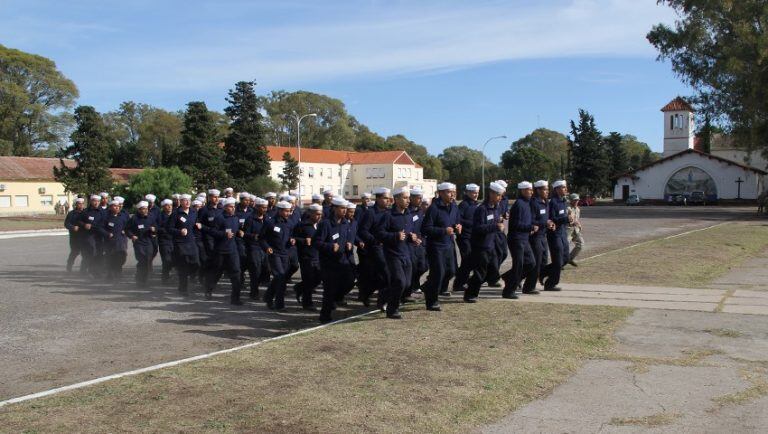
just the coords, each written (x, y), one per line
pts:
(22, 223)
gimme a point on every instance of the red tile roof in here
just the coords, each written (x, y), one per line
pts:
(41, 169)
(327, 156)
(678, 104)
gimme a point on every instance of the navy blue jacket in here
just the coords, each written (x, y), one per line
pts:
(306, 229)
(115, 224)
(388, 231)
(558, 213)
(164, 236)
(154, 212)
(179, 220)
(485, 226)
(252, 232)
(223, 224)
(364, 216)
(94, 217)
(276, 234)
(352, 236)
(205, 217)
(467, 209)
(520, 220)
(330, 232)
(71, 220)
(141, 227)
(438, 217)
(540, 212)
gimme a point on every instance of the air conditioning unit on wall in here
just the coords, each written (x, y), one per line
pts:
(2, 187)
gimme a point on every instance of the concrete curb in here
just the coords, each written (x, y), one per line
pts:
(6, 235)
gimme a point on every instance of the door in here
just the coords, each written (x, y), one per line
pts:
(624, 192)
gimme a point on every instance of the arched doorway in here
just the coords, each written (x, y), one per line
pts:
(689, 179)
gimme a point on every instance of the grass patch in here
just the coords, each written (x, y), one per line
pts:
(639, 364)
(23, 223)
(447, 372)
(686, 261)
(659, 419)
(757, 389)
(724, 333)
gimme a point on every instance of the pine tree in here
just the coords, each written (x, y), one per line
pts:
(614, 145)
(90, 149)
(290, 176)
(590, 163)
(201, 156)
(245, 154)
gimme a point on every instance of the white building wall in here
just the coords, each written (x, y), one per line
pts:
(650, 183)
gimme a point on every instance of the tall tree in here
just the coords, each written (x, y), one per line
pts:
(90, 148)
(464, 165)
(718, 48)
(34, 100)
(617, 153)
(590, 164)
(145, 136)
(245, 154)
(527, 163)
(433, 167)
(201, 156)
(638, 153)
(290, 176)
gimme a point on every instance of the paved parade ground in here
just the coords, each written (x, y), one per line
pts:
(59, 329)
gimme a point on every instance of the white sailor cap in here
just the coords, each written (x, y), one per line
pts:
(120, 200)
(197, 203)
(230, 201)
(446, 186)
(317, 196)
(254, 197)
(381, 190)
(244, 195)
(114, 202)
(166, 202)
(559, 183)
(327, 192)
(338, 201)
(290, 198)
(495, 186)
(316, 207)
(401, 190)
(142, 204)
(472, 187)
(502, 182)
(95, 197)
(150, 198)
(185, 196)
(103, 194)
(271, 194)
(284, 205)
(416, 192)
(351, 205)
(426, 201)
(228, 190)
(260, 202)
(540, 183)
(176, 196)
(524, 185)
(366, 195)
(214, 192)
(80, 200)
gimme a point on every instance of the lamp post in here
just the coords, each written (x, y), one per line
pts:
(482, 151)
(298, 120)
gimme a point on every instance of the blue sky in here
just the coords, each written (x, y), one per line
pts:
(442, 72)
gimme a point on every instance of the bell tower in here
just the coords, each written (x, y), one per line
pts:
(679, 126)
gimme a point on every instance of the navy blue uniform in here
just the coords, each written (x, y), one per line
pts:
(485, 232)
(538, 240)
(92, 228)
(418, 252)
(441, 251)
(352, 235)
(143, 246)
(225, 255)
(256, 258)
(374, 251)
(336, 271)
(558, 242)
(243, 214)
(185, 249)
(309, 261)
(364, 241)
(165, 244)
(397, 253)
(521, 224)
(72, 221)
(277, 235)
(206, 215)
(293, 251)
(501, 242)
(467, 209)
(154, 212)
(115, 244)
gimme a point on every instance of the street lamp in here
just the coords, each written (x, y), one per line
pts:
(298, 120)
(482, 151)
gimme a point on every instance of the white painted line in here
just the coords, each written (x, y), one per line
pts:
(38, 233)
(653, 240)
(173, 363)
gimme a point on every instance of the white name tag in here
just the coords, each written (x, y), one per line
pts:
(542, 211)
(228, 230)
(111, 224)
(562, 211)
(141, 226)
(335, 236)
(242, 221)
(277, 229)
(90, 218)
(415, 218)
(210, 219)
(183, 219)
(490, 217)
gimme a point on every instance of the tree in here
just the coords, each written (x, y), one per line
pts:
(638, 153)
(617, 153)
(201, 156)
(527, 163)
(145, 136)
(552, 144)
(34, 99)
(718, 48)
(464, 165)
(290, 176)
(433, 167)
(590, 164)
(261, 185)
(90, 149)
(162, 182)
(245, 153)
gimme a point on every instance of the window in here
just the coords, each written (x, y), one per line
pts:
(320, 190)
(62, 198)
(21, 201)
(330, 174)
(311, 172)
(46, 200)
(354, 190)
(671, 122)
(5, 201)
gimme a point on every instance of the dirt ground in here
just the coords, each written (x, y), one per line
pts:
(58, 329)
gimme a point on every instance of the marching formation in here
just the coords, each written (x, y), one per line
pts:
(383, 245)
